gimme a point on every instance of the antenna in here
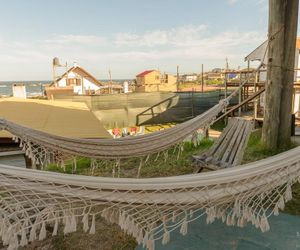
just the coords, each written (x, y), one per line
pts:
(56, 64)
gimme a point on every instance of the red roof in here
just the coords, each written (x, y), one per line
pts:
(145, 73)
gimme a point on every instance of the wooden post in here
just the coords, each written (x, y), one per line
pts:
(177, 79)
(110, 82)
(283, 16)
(256, 99)
(240, 95)
(225, 94)
(290, 36)
(202, 79)
(192, 106)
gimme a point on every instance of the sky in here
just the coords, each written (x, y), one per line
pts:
(127, 36)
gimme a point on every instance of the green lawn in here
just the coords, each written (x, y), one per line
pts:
(156, 165)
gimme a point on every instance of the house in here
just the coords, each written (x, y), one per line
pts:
(76, 80)
(153, 81)
(215, 76)
(190, 78)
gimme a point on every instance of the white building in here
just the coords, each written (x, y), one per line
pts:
(190, 78)
(77, 78)
(19, 91)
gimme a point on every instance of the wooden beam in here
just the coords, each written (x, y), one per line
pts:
(250, 98)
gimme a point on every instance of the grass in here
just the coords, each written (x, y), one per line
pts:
(156, 166)
(255, 151)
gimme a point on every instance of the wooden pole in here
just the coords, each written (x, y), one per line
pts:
(177, 77)
(290, 37)
(257, 99)
(110, 82)
(202, 78)
(283, 17)
(240, 95)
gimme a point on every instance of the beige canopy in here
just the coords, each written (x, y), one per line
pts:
(68, 119)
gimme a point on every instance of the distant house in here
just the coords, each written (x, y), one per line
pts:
(76, 80)
(152, 81)
(215, 76)
(189, 78)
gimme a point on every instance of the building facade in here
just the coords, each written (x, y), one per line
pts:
(153, 81)
(76, 80)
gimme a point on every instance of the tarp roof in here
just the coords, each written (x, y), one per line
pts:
(62, 118)
(259, 54)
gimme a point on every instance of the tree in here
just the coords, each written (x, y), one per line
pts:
(283, 19)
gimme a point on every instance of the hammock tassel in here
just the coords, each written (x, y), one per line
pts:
(75, 164)
(7, 237)
(264, 224)
(228, 220)
(280, 203)
(140, 168)
(288, 193)
(73, 227)
(191, 213)
(145, 239)
(24, 240)
(121, 220)
(85, 222)
(140, 237)
(166, 237)
(184, 227)
(276, 210)
(93, 226)
(55, 228)
(118, 165)
(43, 232)
(174, 217)
(13, 242)
(32, 235)
(150, 244)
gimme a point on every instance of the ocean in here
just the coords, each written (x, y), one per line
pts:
(35, 88)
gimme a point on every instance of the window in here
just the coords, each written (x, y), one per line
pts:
(73, 81)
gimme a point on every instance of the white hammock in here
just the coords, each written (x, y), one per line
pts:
(147, 209)
(112, 148)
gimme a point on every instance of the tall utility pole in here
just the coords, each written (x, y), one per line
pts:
(283, 19)
(202, 78)
(177, 77)
(110, 82)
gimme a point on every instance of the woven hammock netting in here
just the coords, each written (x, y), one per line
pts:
(147, 209)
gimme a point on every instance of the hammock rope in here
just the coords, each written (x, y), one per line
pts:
(147, 209)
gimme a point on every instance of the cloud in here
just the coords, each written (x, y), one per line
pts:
(186, 44)
(73, 40)
(176, 36)
(231, 2)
